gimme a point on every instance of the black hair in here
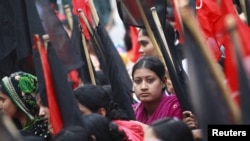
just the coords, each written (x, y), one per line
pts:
(152, 63)
(73, 133)
(102, 128)
(95, 97)
(172, 129)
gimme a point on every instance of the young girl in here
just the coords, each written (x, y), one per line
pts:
(149, 81)
(17, 96)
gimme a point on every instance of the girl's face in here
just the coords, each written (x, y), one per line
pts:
(146, 45)
(147, 85)
(44, 112)
(7, 106)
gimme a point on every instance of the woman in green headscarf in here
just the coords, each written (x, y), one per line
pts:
(17, 100)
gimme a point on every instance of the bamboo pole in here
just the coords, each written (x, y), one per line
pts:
(88, 59)
(94, 12)
(45, 40)
(160, 30)
(190, 21)
(83, 17)
(69, 16)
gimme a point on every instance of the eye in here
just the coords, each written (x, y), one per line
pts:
(143, 43)
(137, 81)
(150, 80)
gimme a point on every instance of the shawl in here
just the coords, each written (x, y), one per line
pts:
(168, 106)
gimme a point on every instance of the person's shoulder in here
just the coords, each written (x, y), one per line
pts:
(172, 100)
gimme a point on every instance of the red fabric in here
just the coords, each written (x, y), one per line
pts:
(210, 21)
(231, 72)
(84, 6)
(73, 76)
(134, 54)
(177, 22)
(54, 110)
(133, 131)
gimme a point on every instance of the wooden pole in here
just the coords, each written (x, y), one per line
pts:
(160, 30)
(69, 16)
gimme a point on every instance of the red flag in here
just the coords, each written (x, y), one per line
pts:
(231, 72)
(210, 20)
(55, 115)
(134, 54)
(177, 25)
(84, 6)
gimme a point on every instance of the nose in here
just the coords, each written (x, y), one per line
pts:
(144, 85)
(42, 112)
(141, 51)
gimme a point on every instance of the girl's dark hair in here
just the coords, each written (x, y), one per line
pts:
(172, 129)
(152, 63)
(102, 128)
(95, 97)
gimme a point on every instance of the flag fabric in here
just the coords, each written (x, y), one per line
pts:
(211, 23)
(76, 42)
(112, 65)
(19, 21)
(55, 113)
(58, 37)
(231, 71)
(244, 86)
(207, 97)
(84, 6)
(130, 14)
(134, 54)
(64, 111)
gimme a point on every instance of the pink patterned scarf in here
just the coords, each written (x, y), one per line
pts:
(169, 106)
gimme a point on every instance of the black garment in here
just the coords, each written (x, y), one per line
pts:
(38, 128)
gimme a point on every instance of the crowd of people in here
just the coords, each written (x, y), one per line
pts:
(158, 113)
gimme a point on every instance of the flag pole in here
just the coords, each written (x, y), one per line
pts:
(46, 40)
(94, 12)
(91, 71)
(69, 16)
(160, 30)
(84, 18)
(150, 32)
(189, 20)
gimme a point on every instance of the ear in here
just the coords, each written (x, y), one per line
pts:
(164, 81)
(102, 112)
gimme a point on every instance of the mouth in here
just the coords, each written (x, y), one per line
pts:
(144, 94)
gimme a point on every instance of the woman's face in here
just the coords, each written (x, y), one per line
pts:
(147, 85)
(146, 46)
(44, 113)
(7, 106)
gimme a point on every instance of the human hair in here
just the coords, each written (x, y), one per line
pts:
(73, 133)
(102, 128)
(172, 129)
(170, 33)
(95, 97)
(152, 63)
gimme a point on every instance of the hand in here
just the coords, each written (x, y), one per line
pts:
(190, 119)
